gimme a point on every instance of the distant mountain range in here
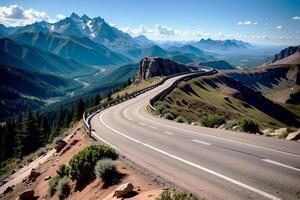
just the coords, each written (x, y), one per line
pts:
(220, 46)
(31, 58)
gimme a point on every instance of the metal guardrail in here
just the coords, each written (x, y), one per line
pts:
(89, 113)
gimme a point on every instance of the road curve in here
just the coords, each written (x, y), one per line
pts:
(213, 163)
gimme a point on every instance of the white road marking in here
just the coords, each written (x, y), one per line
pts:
(153, 127)
(200, 142)
(280, 164)
(216, 137)
(248, 187)
(168, 133)
(142, 123)
(126, 115)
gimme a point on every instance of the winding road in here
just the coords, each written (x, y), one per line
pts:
(213, 163)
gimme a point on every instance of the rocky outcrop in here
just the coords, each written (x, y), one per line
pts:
(286, 52)
(157, 66)
(294, 135)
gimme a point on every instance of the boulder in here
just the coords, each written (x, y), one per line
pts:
(26, 195)
(267, 131)
(278, 132)
(294, 135)
(33, 174)
(60, 145)
(123, 189)
(222, 126)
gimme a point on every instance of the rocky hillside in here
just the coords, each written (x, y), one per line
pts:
(157, 66)
(286, 52)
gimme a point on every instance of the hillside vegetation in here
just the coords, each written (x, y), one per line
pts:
(238, 94)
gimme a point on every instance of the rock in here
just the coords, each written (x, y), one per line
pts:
(235, 127)
(194, 123)
(33, 174)
(156, 66)
(13, 171)
(222, 126)
(60, 145)
(26, 195)
(278, 132)
(8, 189)
(123, 189)
(267, 131)
(294, 135)
(47, 178)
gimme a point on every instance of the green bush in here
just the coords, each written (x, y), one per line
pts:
(166, 195)
(83, 163)
(169, 116)
(212, 120)
(63, 188)
(181, 119)
(247, 125)
(105, 169)
(52, 185)
(63, 170)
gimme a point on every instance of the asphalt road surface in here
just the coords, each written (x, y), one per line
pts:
(213, 163)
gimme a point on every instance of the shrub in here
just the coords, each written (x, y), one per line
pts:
(212, 120)
(166, 195)
(63, 170)
(180, 119)
(52, 185)
(184, 102)
(105, 169)
(63, 188)
(250, 126)
(169, 116)
(83, 163)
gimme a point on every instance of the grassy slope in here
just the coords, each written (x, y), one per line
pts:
(196, 97)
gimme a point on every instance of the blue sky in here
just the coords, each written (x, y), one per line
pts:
(258, 21)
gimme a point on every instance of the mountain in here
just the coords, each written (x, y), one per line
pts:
(143, 41)
(192, 50)
(221, 45)
(6, 30)
(31, 58)
(95, 29)
(137, 54)
(182, 59)
(220, 64)
(286, 52)
(80, 49)
(21, 88)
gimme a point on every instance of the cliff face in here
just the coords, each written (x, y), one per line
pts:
(157, 66)
(286, 52)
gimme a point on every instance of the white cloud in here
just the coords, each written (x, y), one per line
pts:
(279, 27)
(15, 15)
(60, 16)
(248, 22)
(296, 18)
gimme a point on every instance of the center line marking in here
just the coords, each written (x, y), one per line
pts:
(200, 142)
(153, 127)
(216, 137)
(168, 133)
(142, 123)
(280, 164)
(243, 185)
(125, 114)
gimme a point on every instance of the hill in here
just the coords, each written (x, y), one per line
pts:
(31, 58)
(220, 64)
(286, 53)
(269, 95)
(138, 54)
(182, 59)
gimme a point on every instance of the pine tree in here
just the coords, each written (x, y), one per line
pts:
(96, 100)
(79, 110)
(45, 129)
